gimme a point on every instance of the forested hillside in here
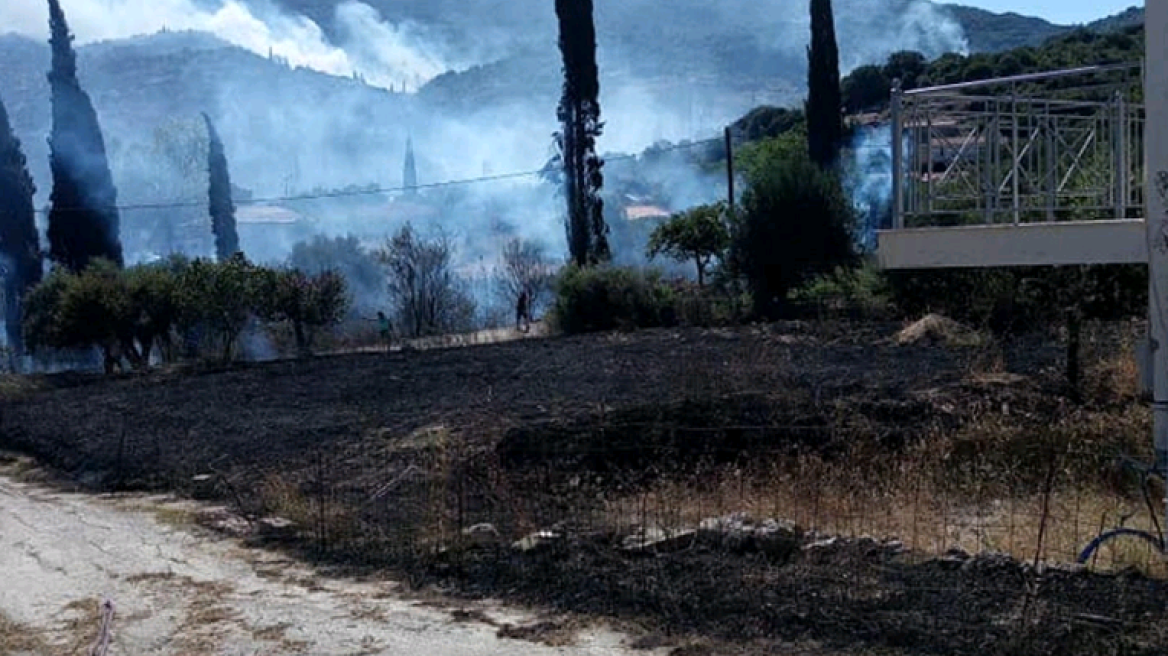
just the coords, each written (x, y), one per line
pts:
(867, 88)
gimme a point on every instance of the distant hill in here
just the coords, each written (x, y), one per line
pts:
(991, 32)
(264, 109)
(669, 70)
(1132, 16)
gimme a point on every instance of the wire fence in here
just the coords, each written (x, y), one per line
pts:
(705, 506)
(741, 545)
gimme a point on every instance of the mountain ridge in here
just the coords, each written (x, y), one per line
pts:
(142, 82)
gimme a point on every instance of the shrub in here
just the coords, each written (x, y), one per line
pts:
(153, 290)
(304, 302)
(1023, 298)
(864, 290)
(427, 296)
(526, 268)
(129, 312)
(699, 235)
(796, 223)
(219, 297)
(80, 310)
(363, 274)
(608, 298)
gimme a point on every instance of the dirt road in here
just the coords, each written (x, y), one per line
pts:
(178, 589)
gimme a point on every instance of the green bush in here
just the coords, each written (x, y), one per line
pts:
(796, 222)
(1022, 299)
(864, 290)
(610, 298)
(128, 312)
(91, 308)
(303, 302)
(219, 297)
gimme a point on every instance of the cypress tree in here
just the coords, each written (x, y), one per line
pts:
(83, 219)
(19, 242)
(220, 203)
(410, 170)
(825, 129)
(579, 116)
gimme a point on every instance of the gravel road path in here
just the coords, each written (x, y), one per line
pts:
(178, 589)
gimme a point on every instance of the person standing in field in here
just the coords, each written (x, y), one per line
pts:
(523, 312)
(384, 328)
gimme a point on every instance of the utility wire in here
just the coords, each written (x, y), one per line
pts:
(374, 191)
(344, 193)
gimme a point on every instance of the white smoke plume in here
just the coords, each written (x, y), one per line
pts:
(280, 141)
(384, 54)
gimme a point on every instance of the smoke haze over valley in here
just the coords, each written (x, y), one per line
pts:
(313, 95)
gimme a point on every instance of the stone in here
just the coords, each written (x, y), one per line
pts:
(659, 540)
(203, 487)
(738, 533)
(538, 541)
(276, 528)
(482, 535)
(894, 547)
(957, 553)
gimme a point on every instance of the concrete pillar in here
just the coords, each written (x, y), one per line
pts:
(1156, 167)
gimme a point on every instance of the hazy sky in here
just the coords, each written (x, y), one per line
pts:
(1057, 11)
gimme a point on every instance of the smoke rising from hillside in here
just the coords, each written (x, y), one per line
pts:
(384, 54)
(288, 133)
(870, 180)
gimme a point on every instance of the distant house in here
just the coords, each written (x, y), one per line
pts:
(410, 209)
(642, 212)
(267, 215)
(268, 232)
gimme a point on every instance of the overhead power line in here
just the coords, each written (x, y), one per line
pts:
(378, 190)
(374, 191)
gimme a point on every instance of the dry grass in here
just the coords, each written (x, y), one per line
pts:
(81, 625)
(17, 639)
(313, 512)
(17, 386)
(928, 520)
(175, 517)
(202, 628)
(980, 489)
(368, 340)
(938, 329)
(1112, 376)
(281, 497)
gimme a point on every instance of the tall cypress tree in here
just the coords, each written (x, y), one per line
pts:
(825, 128)
(220, 203)
(579, 116)
(19, 242)
(410, 170)
(83, 219)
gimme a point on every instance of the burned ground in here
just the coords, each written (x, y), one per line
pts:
(384, 460)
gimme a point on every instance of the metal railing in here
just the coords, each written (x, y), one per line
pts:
(1054, 146)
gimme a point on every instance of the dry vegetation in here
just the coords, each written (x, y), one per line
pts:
(17, 639)
(387, 460)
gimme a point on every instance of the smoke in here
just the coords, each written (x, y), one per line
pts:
(290, 132)
(870, 30)
(867, 30)
(383, 50)
(382, 53)
(869, 180)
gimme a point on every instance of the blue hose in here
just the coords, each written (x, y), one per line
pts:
(1114, 533)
